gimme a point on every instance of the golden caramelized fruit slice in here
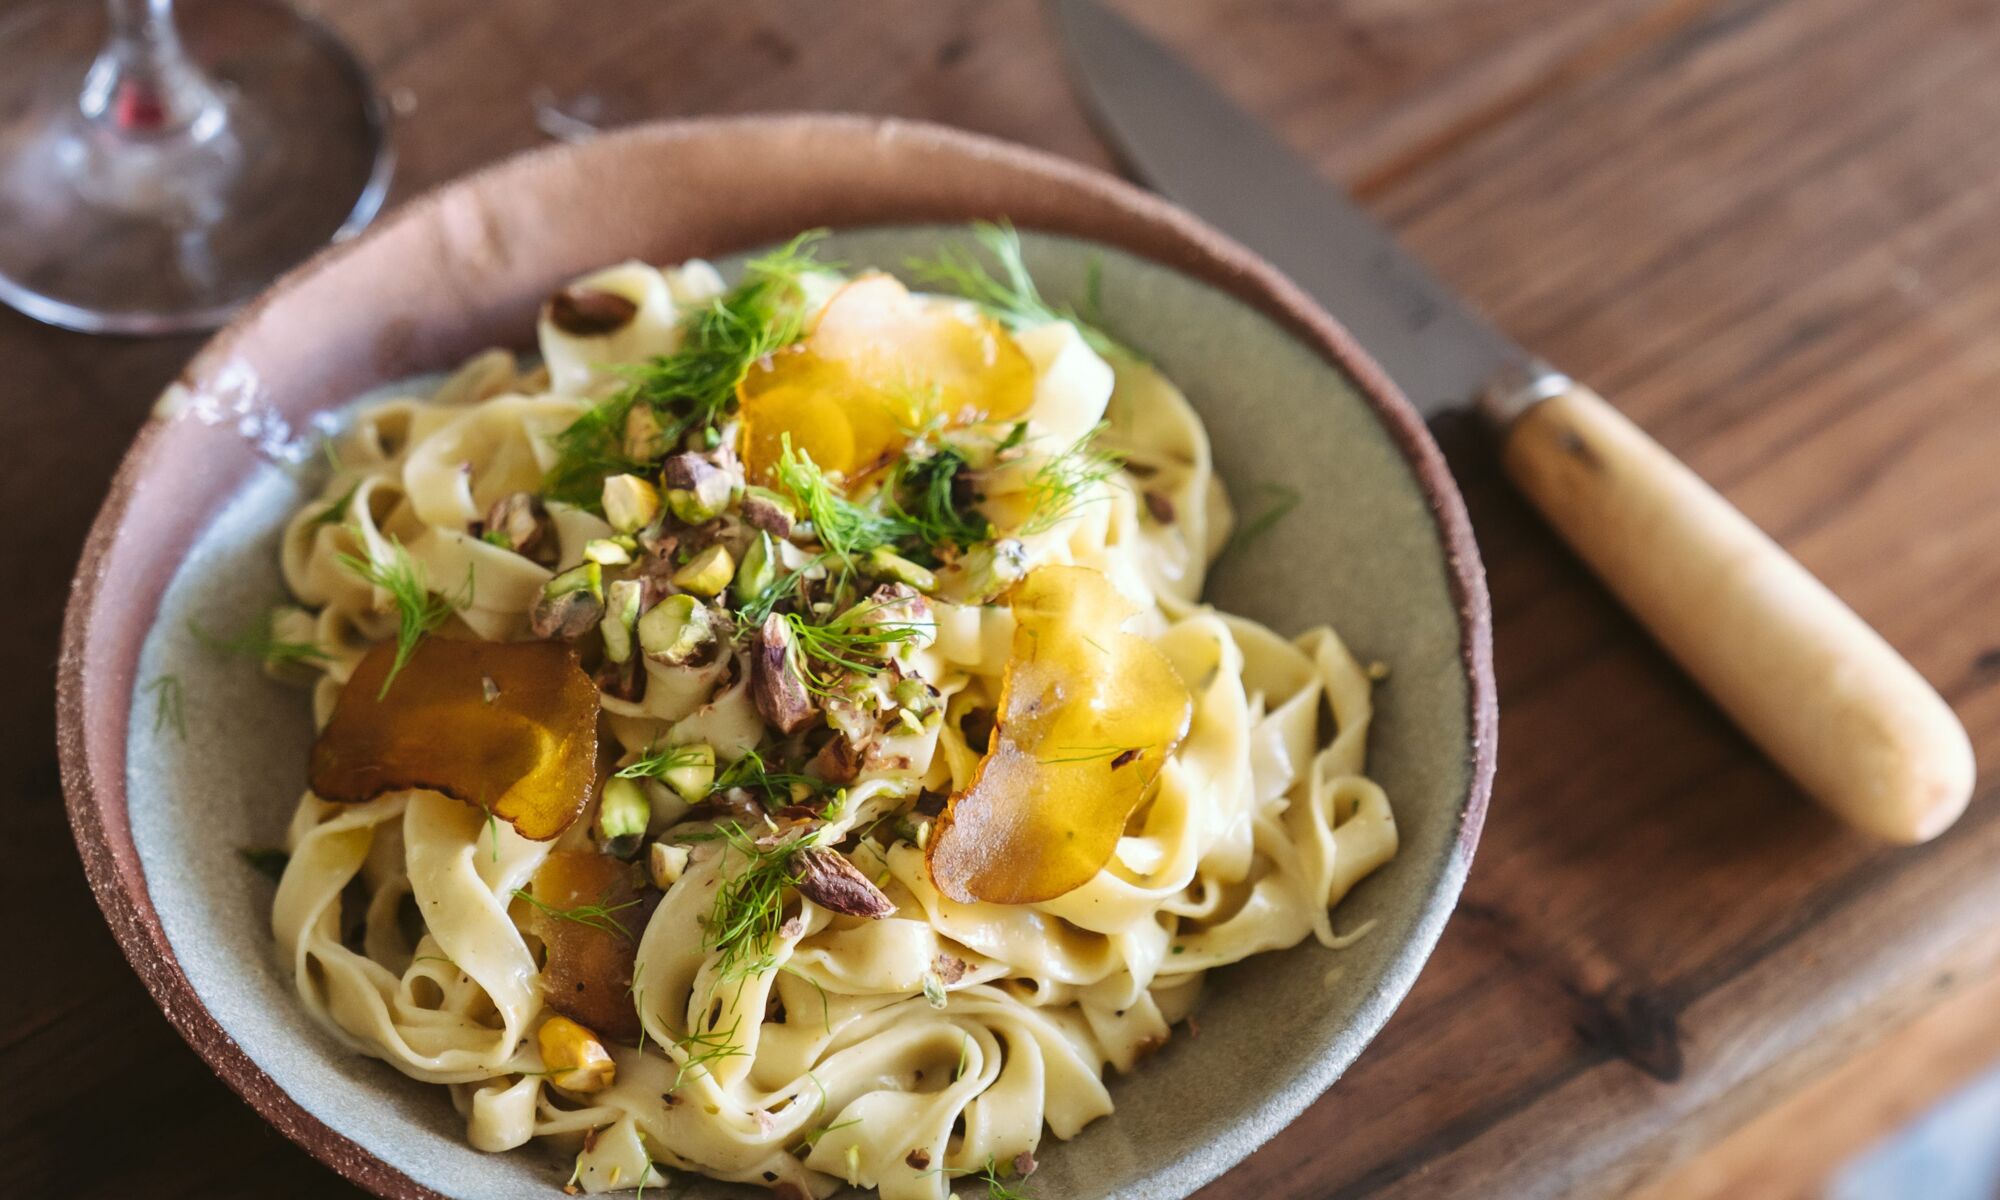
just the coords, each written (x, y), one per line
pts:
(589, 910)
(1088, 713)
(508, 727)
(878, 363)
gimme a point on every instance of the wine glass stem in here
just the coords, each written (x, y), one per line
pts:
(143, 85)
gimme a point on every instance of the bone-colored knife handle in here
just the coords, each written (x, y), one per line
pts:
(1811, 683)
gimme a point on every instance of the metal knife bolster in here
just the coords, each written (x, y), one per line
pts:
(1516, 387)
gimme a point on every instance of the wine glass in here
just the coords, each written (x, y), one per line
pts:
(151, 184)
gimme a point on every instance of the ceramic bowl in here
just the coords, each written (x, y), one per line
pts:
(1379, 547)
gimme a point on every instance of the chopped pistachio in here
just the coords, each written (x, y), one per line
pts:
(758, 571)
(679, 630)
(913, 695)
(884, 563)
(707, 573)
(571, 603)
(630, 503)
(769, 511)
(622, 814)
(775, 683)
(665, 863)
(574, 1057)
(645, 439)
(621, 616)
(606, 552)
(696, 490)
(692, 774)
(987, 570)
(518, 522)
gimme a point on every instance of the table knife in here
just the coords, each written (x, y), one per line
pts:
(1808, 680)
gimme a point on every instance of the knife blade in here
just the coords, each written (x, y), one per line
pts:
(1196, 148)
(1821, 692)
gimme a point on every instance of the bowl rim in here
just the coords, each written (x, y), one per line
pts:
(96, 799)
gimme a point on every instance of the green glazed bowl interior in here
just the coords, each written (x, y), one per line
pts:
(1376, 546)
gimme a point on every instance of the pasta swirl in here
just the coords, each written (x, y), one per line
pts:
(894, 1052)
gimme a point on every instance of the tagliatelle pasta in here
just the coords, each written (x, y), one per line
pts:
(744, 959)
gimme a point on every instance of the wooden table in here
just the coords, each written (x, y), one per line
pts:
(1764, 228)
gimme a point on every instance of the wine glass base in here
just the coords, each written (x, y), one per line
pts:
(133, 238)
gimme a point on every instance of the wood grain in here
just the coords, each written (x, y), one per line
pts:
(1763, 227)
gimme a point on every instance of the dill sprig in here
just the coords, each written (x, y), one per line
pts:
(842, 526)
(997, 1187)
(812, 1139)
(656, 761)
(167, 704)
(849, 641)
(1279, 499)
(418, 609)
(1084, 754)
(703, 1050)
(600, 917)
(258, 642)
(1060, 486)
(749, 907)
(787, 586)
(693, 388)
(1010, 296)
(753, 774)
(922, 495)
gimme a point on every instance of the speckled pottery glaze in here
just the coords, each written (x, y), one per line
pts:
(1379, 547)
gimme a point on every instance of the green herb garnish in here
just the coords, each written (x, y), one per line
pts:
(990, 1175)
(753, 774)
(1061, 485)
(167, 706)
(594, 916)
(1084, 754)
(693, 389)
(921, 494)
(812, 1139)
(336, 512)
(845, 528)
(749, 906)
(259, 643)
(1279, 499)
(656, 762)
(1011, 296)
(418, 610)
(847, 642)
(705, 1049)
(270, 863)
